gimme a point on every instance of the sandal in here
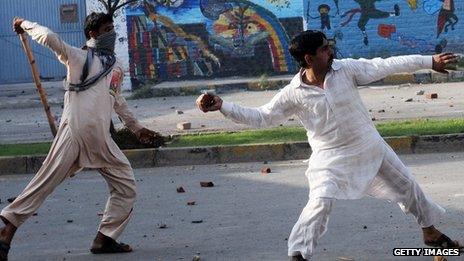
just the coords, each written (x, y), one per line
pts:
(110, 246)
(443, 242)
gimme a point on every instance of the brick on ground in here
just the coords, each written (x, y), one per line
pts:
(184, 125)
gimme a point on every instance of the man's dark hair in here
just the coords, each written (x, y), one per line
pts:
(304, 43)
(94, 20)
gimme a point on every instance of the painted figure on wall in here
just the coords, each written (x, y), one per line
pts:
(238, 26)
(446, 17)
(338, 35)
(368, 11)
(324, 15)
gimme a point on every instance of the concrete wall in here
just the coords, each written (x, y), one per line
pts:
(175, 40)
(371, 28)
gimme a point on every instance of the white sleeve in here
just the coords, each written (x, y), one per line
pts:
(282, 106)
(366, 71)
(51, 40)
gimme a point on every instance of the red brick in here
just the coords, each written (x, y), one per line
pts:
(206, 184)
(265, 170)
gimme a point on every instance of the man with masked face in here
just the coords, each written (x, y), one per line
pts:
(83, 140)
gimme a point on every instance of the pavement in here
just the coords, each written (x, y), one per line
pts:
(23, 119)
(245, 216)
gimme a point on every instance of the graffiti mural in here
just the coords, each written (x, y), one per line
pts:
(372, 28)
(210, 38)
(367, 10)
(446, 17)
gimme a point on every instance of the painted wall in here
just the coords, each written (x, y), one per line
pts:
(194, 39)
(371, 28)
(179, 39)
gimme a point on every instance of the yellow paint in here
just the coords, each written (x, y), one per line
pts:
(412, 4)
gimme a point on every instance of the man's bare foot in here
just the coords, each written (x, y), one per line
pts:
(434, 238)
(105, 245)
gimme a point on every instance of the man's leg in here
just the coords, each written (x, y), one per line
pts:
(311, 225)
(118, 210)
(59, 164)
(395, 182)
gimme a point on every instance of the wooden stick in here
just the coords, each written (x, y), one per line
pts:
(35, 74)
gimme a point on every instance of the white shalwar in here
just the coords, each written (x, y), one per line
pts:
(350, 159)
(83, 139)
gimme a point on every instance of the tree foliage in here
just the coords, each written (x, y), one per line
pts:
(111, 6)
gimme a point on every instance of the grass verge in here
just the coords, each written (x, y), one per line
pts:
(289, 134)
(24, 149)
(274, 135)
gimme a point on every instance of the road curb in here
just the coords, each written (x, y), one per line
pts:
(146, 158)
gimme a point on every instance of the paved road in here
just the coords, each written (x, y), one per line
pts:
(30, 124)
(246, 216)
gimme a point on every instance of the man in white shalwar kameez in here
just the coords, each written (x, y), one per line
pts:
(349, 159)
(83, 139)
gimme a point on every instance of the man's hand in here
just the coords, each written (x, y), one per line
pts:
(17, 21)
(149, 137)
(209, 102)
(443, 61)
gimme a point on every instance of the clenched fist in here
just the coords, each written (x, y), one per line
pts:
(209, 102)
(149, 137)
(17, 25)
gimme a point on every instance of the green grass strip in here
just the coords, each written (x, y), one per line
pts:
(420, 127)
(24, 149)
(289, 134)
(274, 135)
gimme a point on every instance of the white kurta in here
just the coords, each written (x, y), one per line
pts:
(347, 149)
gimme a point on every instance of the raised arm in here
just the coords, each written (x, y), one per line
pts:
(281, 106)
(366, 71)
(47, 38)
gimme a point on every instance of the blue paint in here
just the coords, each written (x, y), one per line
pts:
(416, 30)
